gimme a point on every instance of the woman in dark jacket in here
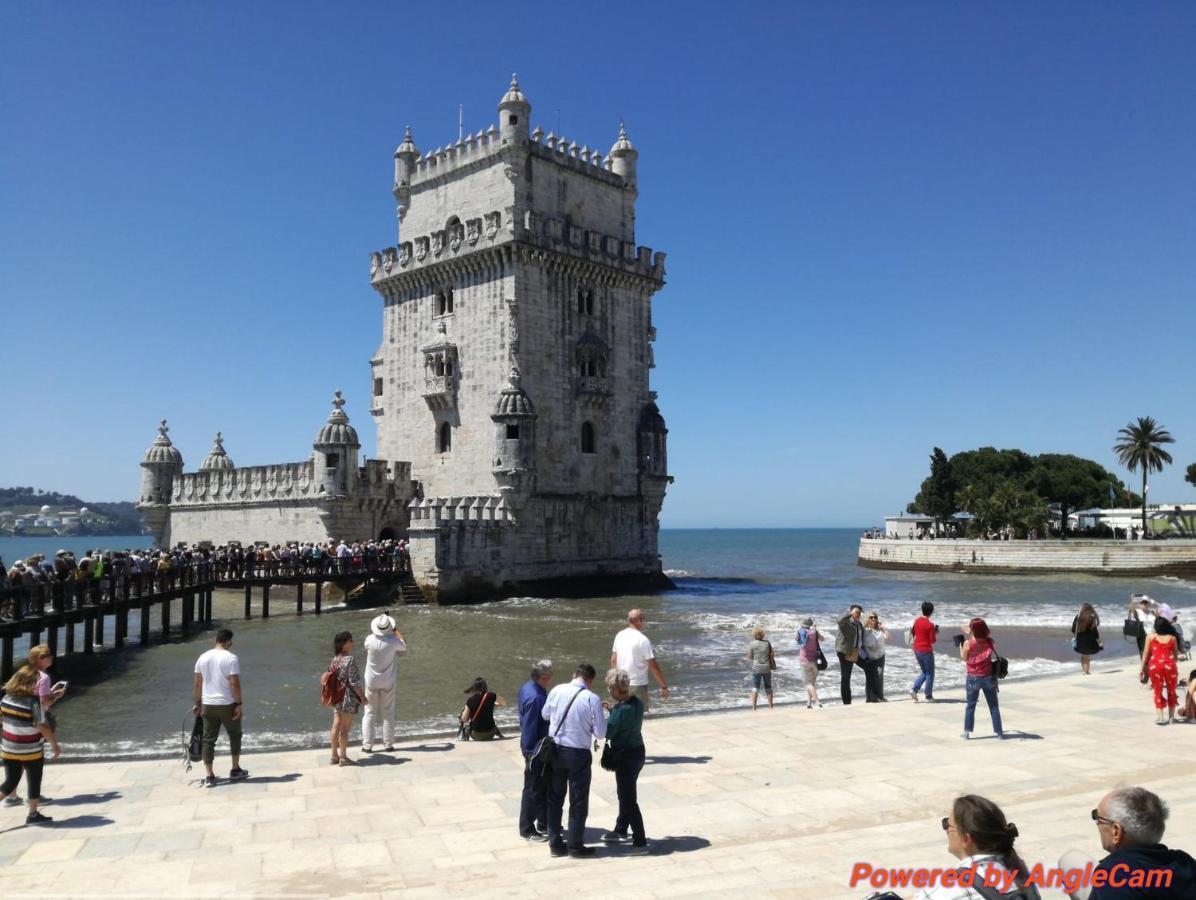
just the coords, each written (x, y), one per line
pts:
(1085, 636)
(624, 730)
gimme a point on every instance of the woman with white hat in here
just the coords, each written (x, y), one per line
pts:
(381, 646)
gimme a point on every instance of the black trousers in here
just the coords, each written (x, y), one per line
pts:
(845, 667)
(12, 776)
(627, 773)
(874, 679)
(570, 768)
(533, 805)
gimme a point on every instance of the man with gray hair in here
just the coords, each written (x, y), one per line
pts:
(632, 652)
(533, 807)
(1130, 822)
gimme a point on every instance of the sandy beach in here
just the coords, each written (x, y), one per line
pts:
(779, 803)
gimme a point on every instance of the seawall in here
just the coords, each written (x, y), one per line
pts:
(1090, 557)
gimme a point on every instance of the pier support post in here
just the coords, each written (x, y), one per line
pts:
(145, 620)
(89, 630)
(68, 632)
(299, 599)
(248, 600)
(52, 639)
(266, 600)
(166, 616)
(6, 657)
(99, 627)
(319, 590)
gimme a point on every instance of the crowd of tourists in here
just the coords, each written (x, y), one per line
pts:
(185, 565)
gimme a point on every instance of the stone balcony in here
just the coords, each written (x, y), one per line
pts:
(440, 392)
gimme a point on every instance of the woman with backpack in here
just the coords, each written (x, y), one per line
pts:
(477, 718)
(808, 653)
(343, 692)
(978, 650)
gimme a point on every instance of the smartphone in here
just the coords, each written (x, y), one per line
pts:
(959, 640)
(60, 685)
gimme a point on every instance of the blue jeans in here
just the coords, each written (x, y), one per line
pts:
(976, 684)
(926, 675)
(571, 768)
(626, 775)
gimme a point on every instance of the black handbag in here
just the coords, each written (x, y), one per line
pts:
(821, 663)
(1131, 628)
(610, 759)
(195, 744)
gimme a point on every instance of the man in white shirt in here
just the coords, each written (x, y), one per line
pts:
(632, 652)
(575, 716)
(217, 691)
(380, 672)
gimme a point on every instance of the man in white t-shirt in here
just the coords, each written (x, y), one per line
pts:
(632, 652)
(218, 700)
(380, 672)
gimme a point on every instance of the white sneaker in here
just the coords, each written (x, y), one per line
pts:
(367, 748)
(390, 747)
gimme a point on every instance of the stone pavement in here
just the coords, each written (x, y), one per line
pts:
(777, 803)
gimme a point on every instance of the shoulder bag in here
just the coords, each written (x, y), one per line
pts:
(465, 732)
(772, 660)
(540, 762)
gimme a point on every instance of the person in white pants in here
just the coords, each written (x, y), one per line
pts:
(381, 646)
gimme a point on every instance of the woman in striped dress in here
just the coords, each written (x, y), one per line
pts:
(23, 737)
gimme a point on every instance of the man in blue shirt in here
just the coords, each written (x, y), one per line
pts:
(533, 808)
(575, 717)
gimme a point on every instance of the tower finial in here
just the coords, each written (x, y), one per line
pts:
(219, 441)
(163, 428)
(514, 81)
(338, 401)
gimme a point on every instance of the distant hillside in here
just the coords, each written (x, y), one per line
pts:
(122, 517)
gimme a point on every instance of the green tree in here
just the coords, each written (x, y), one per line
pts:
(1072, 482)
(1140, 446)
(938, 491)
(1190, 476)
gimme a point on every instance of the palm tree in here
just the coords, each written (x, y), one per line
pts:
(1139, 444)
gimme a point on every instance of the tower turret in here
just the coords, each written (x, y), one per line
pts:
(514, 443)
(513, 114)
(623, 156)
(160, 466)
(406, 156)
(334, 452)
(217, 458)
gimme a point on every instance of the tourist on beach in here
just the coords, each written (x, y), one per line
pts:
(872, 658)
(1141, 611)
(575, 717)
(533, 803)
(848, 644)
(217, 690)
(478, 713)
(808, 651)
(624, 730)
(1085, 636)
(978, 650)
(632, 652)
(348, 677)
(23, 735)
(763, 662)
(1131, 822)
(1160, 659)
(925, 633)
(381, 646)
(1188, 710)
(40, 659)
(981, 839)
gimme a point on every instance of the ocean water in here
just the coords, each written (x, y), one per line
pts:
(134, 702)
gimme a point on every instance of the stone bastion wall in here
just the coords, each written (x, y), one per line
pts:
(1174, 557)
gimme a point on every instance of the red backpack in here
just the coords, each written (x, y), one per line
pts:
(332, 692)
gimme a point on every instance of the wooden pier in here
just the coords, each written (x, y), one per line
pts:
(46, 608)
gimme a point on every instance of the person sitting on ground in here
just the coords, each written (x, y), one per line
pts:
(1131, 822)
(478, 713)
(1188, 710)
(982, 840)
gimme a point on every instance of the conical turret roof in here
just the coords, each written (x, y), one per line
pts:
(337, 431)
(162, 451)
(217, 458)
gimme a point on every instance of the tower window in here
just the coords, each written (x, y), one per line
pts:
(512, 432)
(445, 439)
(332, 460)
(587, 437)
(585, 303)
(377, 387)
(444, 302)
(514, 120)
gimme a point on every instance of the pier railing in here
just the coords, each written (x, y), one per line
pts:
(48, 604)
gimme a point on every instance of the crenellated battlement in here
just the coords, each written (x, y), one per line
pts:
(467, 150)
(435, 512)
(284, 482)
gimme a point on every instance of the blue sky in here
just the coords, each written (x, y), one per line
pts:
(889, 226)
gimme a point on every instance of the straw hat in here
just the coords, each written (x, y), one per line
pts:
(382, 625)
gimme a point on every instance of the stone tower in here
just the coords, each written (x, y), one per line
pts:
(160, 466)
(513, 371)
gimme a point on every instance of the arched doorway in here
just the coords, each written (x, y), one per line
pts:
(388, 534)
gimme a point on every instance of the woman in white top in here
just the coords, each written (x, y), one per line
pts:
(872, 660)
(980, 838)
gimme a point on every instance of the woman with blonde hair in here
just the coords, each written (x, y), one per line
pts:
(763, 662)
(872, 660)
(624, 730)
(1085, 636)
(22, 745)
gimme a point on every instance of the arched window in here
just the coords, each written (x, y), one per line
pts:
(444, 302)
(445, 440)
(587, 437)
(585, 302)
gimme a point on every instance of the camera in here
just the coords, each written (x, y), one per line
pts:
(959, 639)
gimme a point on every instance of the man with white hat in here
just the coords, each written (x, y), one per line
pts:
(380, 670)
